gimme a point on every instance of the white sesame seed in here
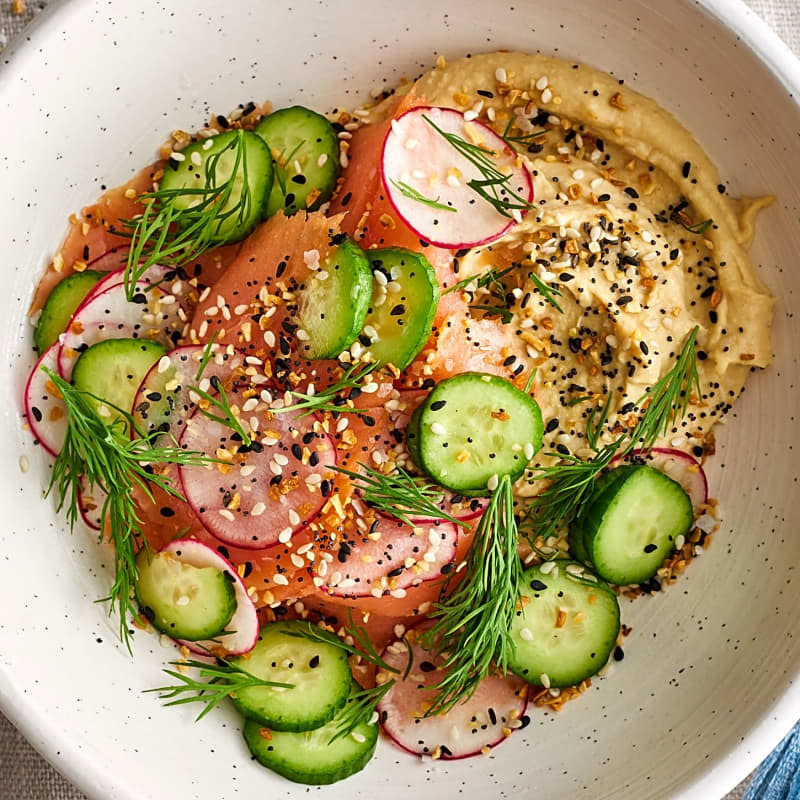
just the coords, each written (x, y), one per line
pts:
(438, 429)
(680, 541)
(281, 580)
(294, 517)
(541, 84)
(24, 463)
(176, 156)
(544, 679)
(164, 364)
(528, 450)
(269, 338)
(223, 512)
(547, 96)
(275, 468)
(302, 335)
(285, 535)
(197, 159)
(183, 600)
(470, 115)
(547, 567)
(574, 569)
(501, 76)
(359, 737)
(492, 483)
(258, 509)
(344, 161)
(297, 560)
(526, 634)
(323, 157)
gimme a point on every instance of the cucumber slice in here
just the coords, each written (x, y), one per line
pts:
(475, 426)
(333, 302)
(630, 527)
(112, 370)
(311, 757)
(566, 628)
(240, 155)
(181, 600)
(299, 137)
(404, 300)
(61, 305)
(319, 671)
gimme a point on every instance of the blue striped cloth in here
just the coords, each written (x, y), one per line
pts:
(778, 778)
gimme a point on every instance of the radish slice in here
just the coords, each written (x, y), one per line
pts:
(389, 559)
(44, 408)
(269, 494)
(243, 626)
(498, 705)
(418, 157)
(679, 466)
(109, 315)
(90, 504)
(157, 407)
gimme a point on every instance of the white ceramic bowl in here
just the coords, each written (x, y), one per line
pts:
(706, 688)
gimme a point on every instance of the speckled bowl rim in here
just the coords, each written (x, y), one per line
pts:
(713, 780)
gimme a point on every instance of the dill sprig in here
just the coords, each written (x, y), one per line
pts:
(400, 494)
(178, 225)
(409, 191)
(471, 630)
(208, 351)
(494, 186)
(697, 228)
(222, 404)
(359, 710)
(572, 480)
(362, 645)
(482, 280)
(109, 459)
(548, 292)
(524, 138)
(328, 399)
(222, 680)
(505, 315)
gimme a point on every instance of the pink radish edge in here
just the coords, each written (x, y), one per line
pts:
(503, 694)
(688, 471)
(390, 190)
(50, 434)
(89, 506)
(244, 621)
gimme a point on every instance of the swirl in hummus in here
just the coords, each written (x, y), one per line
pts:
(620, 186)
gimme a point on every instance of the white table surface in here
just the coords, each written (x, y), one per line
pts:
(24, 774)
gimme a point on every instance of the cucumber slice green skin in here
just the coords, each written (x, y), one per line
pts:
(577, 545)
(61, 305)
(579, 648)
(473, 426)
(220, 159)
(185, 602)
(332, 310)
(412, 436)
(319, 690)
(113, 370)
(404, 302)
(630, 527)
(310, 757)
(297, 134)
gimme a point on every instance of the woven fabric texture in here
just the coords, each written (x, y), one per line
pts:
(25, 775)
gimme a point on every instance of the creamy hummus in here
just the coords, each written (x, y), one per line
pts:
(620, 186)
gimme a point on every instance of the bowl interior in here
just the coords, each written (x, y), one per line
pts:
(705, 687)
